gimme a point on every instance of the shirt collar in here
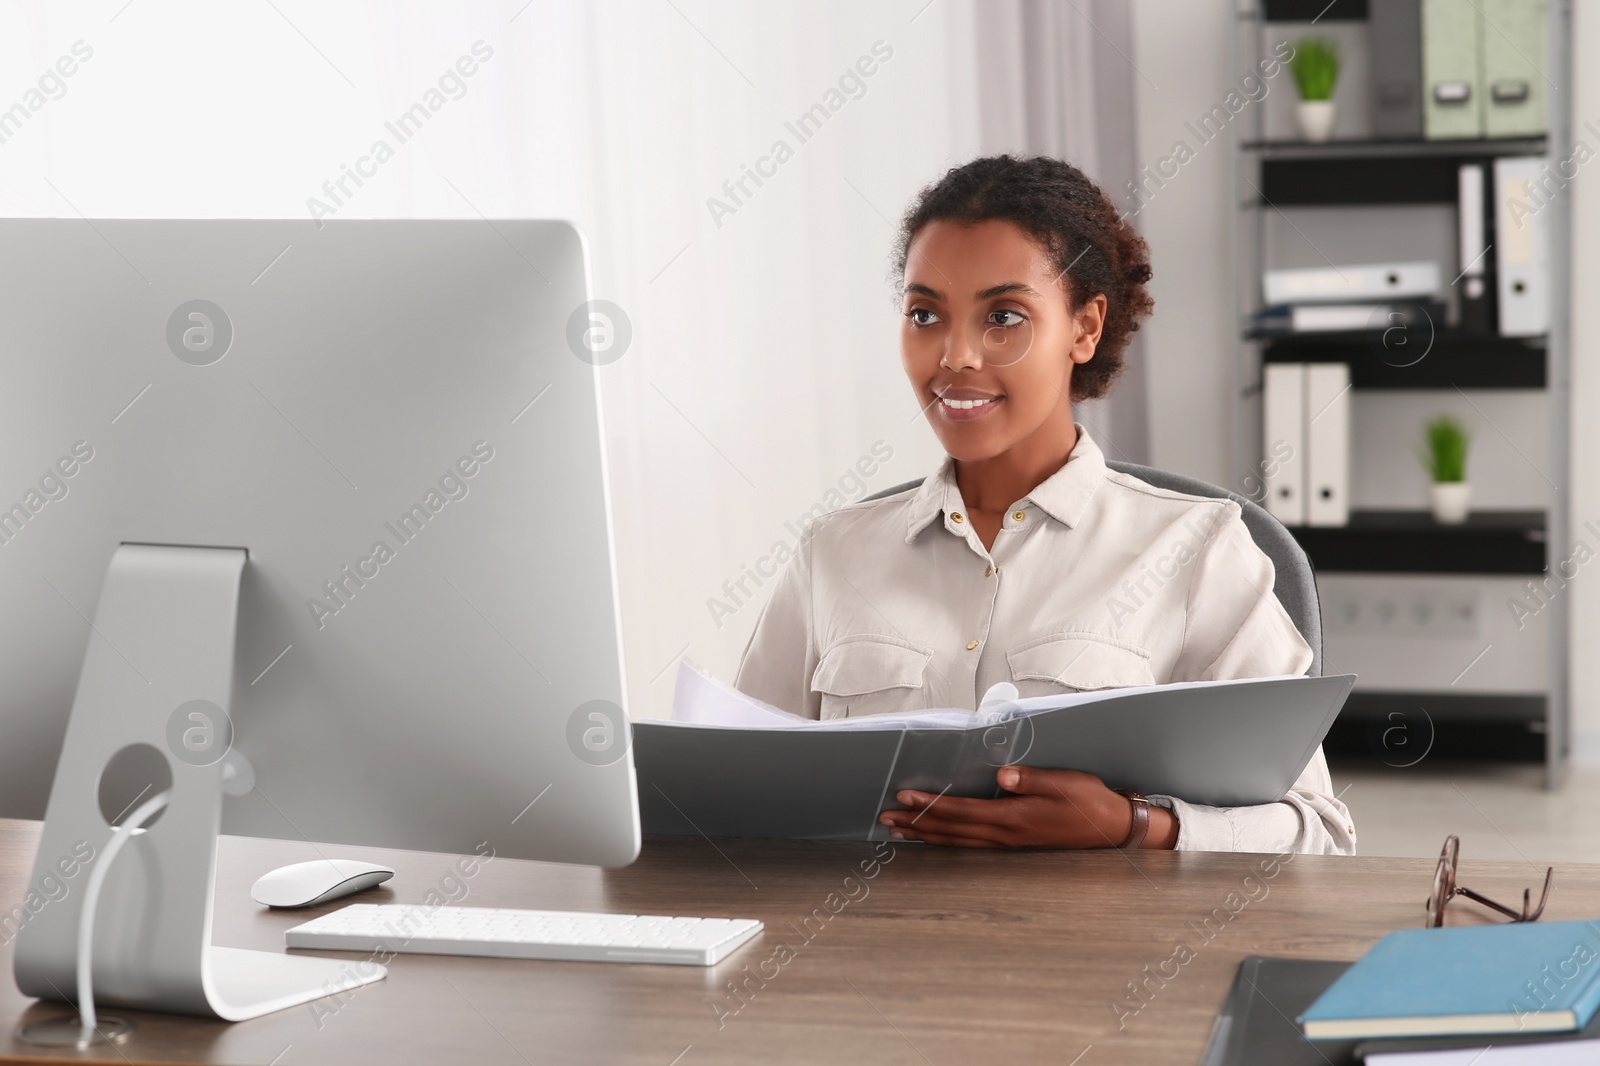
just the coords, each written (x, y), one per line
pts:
(1064, 495)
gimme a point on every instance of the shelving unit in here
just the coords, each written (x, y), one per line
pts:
(1374, 172)
(1443, 358)
(1411, 542)
(1273, 175)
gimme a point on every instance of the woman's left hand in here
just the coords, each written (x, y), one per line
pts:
(1046, 809)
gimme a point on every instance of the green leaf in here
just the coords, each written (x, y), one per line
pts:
(1315, 67)
(1446, 457)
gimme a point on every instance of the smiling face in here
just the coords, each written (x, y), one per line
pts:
(989, 337)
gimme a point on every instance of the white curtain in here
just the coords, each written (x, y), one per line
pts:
(763, 380)
(1056, 77)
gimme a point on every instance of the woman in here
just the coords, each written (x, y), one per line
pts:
(1023, 558)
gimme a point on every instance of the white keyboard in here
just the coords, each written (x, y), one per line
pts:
(513, 934)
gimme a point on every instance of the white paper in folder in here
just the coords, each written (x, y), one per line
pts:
(700, 699)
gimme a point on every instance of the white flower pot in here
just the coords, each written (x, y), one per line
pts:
(1451, 501)
(1315, 118)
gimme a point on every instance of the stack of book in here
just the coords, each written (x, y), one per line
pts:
(1493, 995)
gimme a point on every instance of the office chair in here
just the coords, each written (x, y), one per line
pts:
(1293, 584)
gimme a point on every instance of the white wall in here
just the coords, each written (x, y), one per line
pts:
(765, 360)
(1181, 55)
(1585, 480)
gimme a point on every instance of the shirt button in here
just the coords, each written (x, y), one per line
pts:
(971, 644)
(988, 571)
(955, 516)
(1019, 515)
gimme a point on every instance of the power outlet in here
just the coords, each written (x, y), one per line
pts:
(1401, 608)
(1432, 633)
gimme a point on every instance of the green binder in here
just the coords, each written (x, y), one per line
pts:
(1514, 85)
(1452, 35)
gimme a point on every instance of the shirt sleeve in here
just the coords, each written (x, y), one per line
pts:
(1236, 628)
(781, 655)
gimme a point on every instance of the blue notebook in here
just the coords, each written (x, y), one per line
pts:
(1529, 977)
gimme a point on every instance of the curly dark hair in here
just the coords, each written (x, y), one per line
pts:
(1075, 223)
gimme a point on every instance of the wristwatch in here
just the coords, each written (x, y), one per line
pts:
(1141, 818)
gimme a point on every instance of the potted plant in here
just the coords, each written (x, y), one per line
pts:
(1450, 495)
(1315, 67)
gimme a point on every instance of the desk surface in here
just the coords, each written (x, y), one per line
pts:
(945, 956)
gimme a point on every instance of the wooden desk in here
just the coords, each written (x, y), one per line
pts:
(944, 957)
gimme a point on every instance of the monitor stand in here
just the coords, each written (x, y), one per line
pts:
(156, 684)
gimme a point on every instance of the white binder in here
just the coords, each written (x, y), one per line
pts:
(1473, 290)
(1284, 444)
(1327, 444)
(1521, 247)
(1357, 281)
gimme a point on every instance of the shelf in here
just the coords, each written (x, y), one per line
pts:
(1455, 705)
(1455, 359)
(1400, 729)
(1369, 177)
(1313, 10)
(1390, 148)
(1411, 542)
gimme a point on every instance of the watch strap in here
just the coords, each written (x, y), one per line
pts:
(1141, 818)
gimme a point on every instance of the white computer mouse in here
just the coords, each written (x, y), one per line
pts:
(306, 884)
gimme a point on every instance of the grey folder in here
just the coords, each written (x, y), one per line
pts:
(1394, 31)
(1256, 1026)
(1226, 744)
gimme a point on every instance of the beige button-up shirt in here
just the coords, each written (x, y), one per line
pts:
(1096, 580)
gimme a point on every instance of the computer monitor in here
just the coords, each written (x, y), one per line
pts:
(385, 438)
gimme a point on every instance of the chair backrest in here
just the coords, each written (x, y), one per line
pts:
(1294, 583)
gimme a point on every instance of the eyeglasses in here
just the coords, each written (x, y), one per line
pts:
(1445, 889)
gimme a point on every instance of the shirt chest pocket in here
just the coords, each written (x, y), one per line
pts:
(1077, 661)
(870, 675)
